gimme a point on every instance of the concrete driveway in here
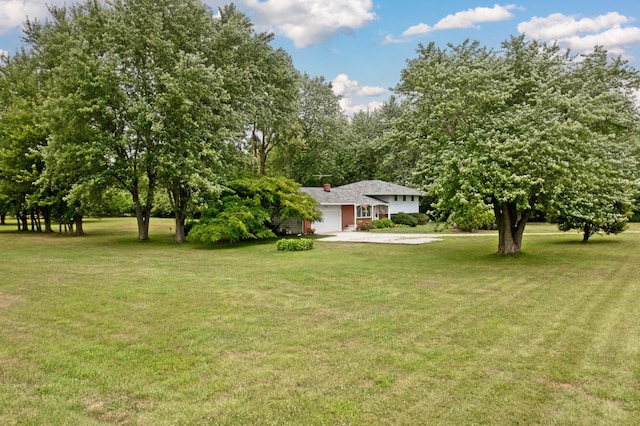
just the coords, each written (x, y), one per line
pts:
(369, 237)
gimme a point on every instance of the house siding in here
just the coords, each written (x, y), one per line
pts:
(401, 206)
(292, 226)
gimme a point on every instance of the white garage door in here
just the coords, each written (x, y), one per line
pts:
(331, 219)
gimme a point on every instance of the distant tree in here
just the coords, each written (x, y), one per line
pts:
(369, 153)
(253, 208)
(509, 129)
(22, 135)
(316, 144)
(274, 102)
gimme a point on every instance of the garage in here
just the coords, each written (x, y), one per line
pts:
(331, 220)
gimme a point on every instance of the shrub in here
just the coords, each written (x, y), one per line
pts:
(404, 219)
(422, 218)
(382, 223)
(364, 226)
(290, 244)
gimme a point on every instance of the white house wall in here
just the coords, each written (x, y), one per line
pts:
(401, 206)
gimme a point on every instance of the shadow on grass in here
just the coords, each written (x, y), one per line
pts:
(591, 242)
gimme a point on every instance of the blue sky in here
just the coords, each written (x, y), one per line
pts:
(362, 45)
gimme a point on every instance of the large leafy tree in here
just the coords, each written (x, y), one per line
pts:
(147, 87)
(506, 129)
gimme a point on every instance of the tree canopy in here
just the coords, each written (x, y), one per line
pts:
(169, 102)
(511, 129)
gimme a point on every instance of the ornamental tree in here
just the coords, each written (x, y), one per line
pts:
(511, 129)
(253, 207)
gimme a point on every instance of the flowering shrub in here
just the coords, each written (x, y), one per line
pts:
(364, 226)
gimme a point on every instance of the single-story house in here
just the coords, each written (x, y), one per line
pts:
(343, 206)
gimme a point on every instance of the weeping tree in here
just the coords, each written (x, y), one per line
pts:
(508, 129)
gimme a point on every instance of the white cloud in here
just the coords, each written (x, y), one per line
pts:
(348, 89)
(557, 26)
(464, 19)
(349, 108)
(470, 17)
(343, 86)
(311, 22)
(614, 39)
(637, 96)
(584, 33)
(390, 39)
(13, 13)
(419, 29)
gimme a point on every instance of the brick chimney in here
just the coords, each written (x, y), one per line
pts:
(326, 187)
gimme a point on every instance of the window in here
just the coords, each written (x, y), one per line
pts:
(412, 198)
(363, 211)
(404, 198)
(395, 198)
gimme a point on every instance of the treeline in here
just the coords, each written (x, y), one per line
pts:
(168, 103)
(165, 102)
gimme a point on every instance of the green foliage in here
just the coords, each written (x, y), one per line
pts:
(290, 244)
(422, 218)
(316, 143)
(382, 223)
(253, 208)
(473, 217)
(515, 128)
(240, 219)
(404, 219)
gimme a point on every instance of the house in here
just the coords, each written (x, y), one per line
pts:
(342, 207)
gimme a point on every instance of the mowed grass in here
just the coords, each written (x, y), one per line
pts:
(104, 330)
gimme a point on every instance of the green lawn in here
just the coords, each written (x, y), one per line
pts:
(102, 330)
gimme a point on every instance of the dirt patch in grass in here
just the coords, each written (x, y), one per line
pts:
(8, 300)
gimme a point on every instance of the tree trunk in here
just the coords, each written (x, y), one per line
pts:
(3, 218)
(587, 233)
(34, 223)
(77, 220)
(180, 235)
(143, 214)
(511, 223)
(179, 196)
(22, 217)
(46, 213)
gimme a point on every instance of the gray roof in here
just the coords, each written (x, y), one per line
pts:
(340, 196)
(379, 187)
